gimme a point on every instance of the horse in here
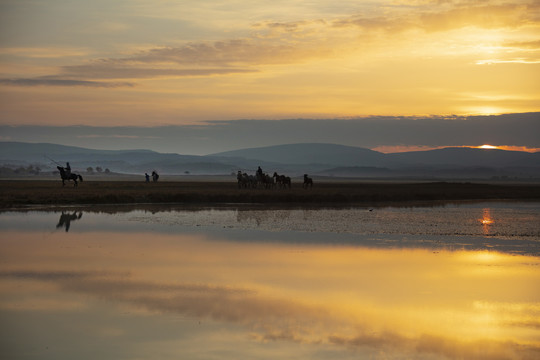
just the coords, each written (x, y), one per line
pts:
(155, 176)
(307, 182)
(67, 177)
(265, 180)
(246, 181)
(240, 179)
(269, 181)
(251, 181)
(260, 176)
(282, 180)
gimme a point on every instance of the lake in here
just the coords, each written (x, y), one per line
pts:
(457, 280)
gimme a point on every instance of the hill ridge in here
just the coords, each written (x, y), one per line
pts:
(294, 159)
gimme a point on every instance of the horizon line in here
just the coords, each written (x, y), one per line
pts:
(385, 149)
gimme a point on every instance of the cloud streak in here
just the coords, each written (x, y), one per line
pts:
(438, 345)
(275, 43)
(269, 318)
(233, 56)
(316, 60)
(442, 18)
(223, 53)
(104, 70)
(63, 83)
(289, 42)
(192, 60)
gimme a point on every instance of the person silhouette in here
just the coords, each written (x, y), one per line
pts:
(147, 177)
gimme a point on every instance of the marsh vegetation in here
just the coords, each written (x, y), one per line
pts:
(15, 193)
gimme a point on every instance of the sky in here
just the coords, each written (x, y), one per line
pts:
(204, 64)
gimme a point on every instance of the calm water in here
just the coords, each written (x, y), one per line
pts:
(454, 281)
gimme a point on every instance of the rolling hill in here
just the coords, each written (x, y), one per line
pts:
(47, 156)
(293, 159)
(314, 154)
(458, 156)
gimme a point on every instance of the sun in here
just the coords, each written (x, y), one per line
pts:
(486, 146)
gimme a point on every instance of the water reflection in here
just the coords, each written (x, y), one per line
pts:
(486, 221)
(196, 296)
(506, 227)
(232, 284)
(66, 218)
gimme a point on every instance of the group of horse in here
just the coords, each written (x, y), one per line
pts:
(245, 181)
(265, 181)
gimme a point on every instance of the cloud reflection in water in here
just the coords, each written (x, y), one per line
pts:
(329, 297)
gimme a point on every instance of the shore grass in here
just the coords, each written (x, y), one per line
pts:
(23, 193)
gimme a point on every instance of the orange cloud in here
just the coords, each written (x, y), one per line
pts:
(432, 18)
(518, 148)
(406, 58)
(387, 149)
(483, 16)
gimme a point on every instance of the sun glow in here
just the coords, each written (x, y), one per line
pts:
(406, 148)
(486, 146)
(486, 221)
(506, 148)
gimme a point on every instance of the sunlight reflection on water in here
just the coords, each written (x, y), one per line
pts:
(265, 284)
(486, 221)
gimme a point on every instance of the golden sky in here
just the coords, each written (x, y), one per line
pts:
(143, 63)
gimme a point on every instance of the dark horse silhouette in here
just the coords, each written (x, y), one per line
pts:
(307, 182)
(67, 177)
(282, 180)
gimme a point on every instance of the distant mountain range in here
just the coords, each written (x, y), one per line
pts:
(47, 156)
(340, 155)
(293, 159)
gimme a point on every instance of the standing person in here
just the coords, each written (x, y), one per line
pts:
(147, 177)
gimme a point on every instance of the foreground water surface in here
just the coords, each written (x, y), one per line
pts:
(449, 281)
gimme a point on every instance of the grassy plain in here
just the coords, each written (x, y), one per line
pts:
(22, 193)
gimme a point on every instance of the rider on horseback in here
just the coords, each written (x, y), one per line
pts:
(66, 174)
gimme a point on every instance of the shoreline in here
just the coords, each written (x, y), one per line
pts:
(45, 193)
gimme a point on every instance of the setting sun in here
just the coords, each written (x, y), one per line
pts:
(507, 148)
